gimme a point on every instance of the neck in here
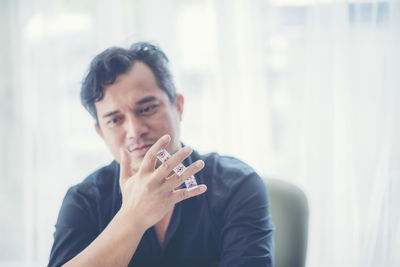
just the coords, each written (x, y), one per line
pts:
(162, 226)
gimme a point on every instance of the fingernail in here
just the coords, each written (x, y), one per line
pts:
(199, 163)
(186, 149)
(165, 138)
(202, 188)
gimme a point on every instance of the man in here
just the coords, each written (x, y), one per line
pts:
(136, 211)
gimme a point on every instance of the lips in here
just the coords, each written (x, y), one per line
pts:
(139, 150)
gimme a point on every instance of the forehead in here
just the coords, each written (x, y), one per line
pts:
(138, 83)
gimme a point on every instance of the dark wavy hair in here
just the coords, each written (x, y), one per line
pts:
(112, 62)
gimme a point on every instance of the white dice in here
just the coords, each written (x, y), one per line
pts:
(190, 183)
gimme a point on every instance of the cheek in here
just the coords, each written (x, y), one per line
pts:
(114, 138)
(171, 123)
(172, 127)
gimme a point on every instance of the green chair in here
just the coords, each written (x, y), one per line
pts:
(289, 210)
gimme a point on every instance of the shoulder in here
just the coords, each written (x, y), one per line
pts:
(227, 172)
(97, 183)
(230, 181)
(80, 199)
(226, 165)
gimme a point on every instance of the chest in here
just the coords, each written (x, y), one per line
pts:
(188, 239)
(161, 227)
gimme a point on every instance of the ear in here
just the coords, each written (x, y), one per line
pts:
(179, 101)
(98, 130)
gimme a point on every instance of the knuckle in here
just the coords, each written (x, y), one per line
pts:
(165, 165)
(147, 188)
(150, 156)
(184, 194)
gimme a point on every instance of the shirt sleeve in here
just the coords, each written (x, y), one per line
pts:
(75, 228)
(246, 231)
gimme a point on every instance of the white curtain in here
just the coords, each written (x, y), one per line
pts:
(305, 91)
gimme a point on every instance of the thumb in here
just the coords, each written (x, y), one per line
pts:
(125, 166)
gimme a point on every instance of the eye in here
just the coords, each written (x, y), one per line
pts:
(148, 110)
(114, 121)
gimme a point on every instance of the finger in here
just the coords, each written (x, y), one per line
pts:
(168, 166)
(150, 159)
(183, 194)
(125, 166)
(175, 180)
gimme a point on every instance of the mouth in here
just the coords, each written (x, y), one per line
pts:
(139, 150)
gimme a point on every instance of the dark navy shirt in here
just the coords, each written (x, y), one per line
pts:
(228, 225)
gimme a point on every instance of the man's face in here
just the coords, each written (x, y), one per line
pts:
(135, 113)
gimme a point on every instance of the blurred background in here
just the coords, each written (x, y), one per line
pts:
(306, 91)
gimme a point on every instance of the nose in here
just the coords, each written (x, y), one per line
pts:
(135, 127)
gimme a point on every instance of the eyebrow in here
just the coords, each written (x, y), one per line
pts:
(140, 102)
(146, 100)
(109, 114)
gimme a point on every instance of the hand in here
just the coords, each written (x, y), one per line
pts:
(150, 193)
